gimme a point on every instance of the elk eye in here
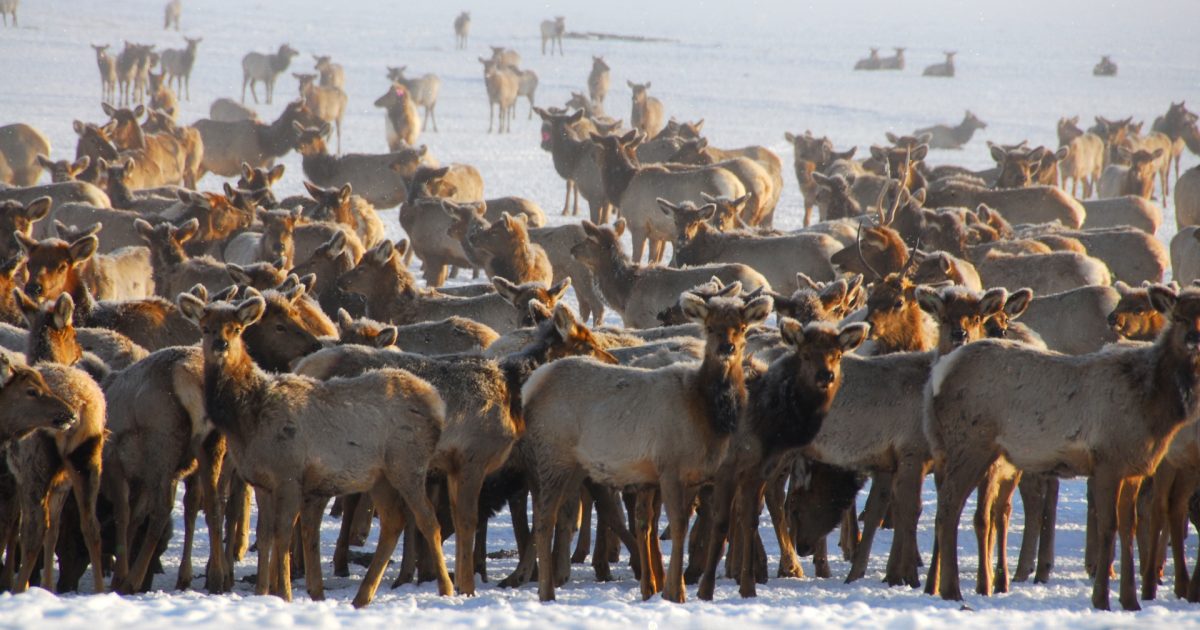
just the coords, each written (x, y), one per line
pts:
(898, 304)
(278, 327)
(32, 393)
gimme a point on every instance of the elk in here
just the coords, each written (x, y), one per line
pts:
(17, 219)
(462, 29)
(7, 8)
(944, 69)
(20, 145)
(640, 292)
(29, 403)
(229, 110)
(778, 258)
(1084, 160)
(40, 461)
(250, 407)
(171, 14)
(392, 295)
(895, 62)
(341, 206)
(54, 268)
(163, 156)
(132, 62)
(552, 31)
(647, 115)
(177, 65)
(452, 335)
(947, 137)
(635, 189)
(64, 170)
(327, 103)
(871, 62)
(175, 271)
(428, 222)
(1135, 179)
(228, 144)
(266, 68)
(598, 81)
(508, 252)
(759, 208)
(1134, 317)
(400, 117)
(1125, 438)
(1018, 167)
(125, 274)
(108, 73)
(1179, 125)
(1187, 198)
(423, 91)
(576, 159)
(1035, 204)
(502, 85)
(374, 177)
(834, 197)
(527, 84)
(701, 408)
(332, 74)
(1106, 68)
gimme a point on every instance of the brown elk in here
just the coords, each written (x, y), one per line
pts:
(328, 103)
(462, 29)
(423, 91)
(229, 144)
(552, 31)
(265, 68)
(508, 252)
(108, 73)
(647, 115)
(947, 137)
(20, 146)
(375, 177)
(502, 85)
(1135, 179)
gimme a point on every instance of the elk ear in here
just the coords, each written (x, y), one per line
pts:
(834, 293)
(560, 289)
(930, 301)
(237, 273)
(506, 289)
(336, 244)
(851, 336)
(28, 307)
(619, 226)
(344, 319)
(998, 153)
(251, 310)
(757, 311)
(64, 309)
(1017, 302)
(1121, 287)
(694, 307)
(187, 231)
(247, 171)
(38, 208)
(387, 337)
(667, 207)
(789, 136)
(805, 282)
(565, 321)
(191, 306)
(224, 295)
(344, 194)
(24, 242)
(308, 281)
(382, 253)
(538, 312)
(83, 249)
(44, 161)
(274, 174)
(1162, 298)
(108, 109)
(878, 153)
(992, 302)
(791, 331)
(6, 368)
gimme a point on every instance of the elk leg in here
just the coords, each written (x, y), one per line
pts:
(1032, 489)
(341, 550)
(749, 498)
(391, 524)
(1045, 562)
(676, 500)
(191, 507)
(789, 562)
(878, 500)
(464, 491)
(84, 470)
(1126, 524)
(718, 532)
(310, 541)
(1002, 513)
(957, 482)
(1105, 495)
(584, 541)
(1177, 522)
(547, 502)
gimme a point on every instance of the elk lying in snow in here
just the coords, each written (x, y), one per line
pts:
(947, 137)
(1148, 396)
(636, 189)
(778, 258)
(700, 406)
(266, 68)
(552, 31)
(640, 292)
(250, 407)
(647, 115)
(944, 69)
(1106, 68)
(871, 62)
(895, 62)
(452, 335)
(422, 91)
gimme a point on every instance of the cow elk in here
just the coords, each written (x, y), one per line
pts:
(947, 137)
(944, 69)
(552, 32)
(265, 68)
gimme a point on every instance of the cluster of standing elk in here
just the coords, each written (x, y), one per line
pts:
(1000, 328)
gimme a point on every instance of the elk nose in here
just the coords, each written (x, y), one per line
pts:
(220, 345)
(33, 289)
(1192, 337)
(1112, 319)
(958, 335)
(824, 377)
(725, 348)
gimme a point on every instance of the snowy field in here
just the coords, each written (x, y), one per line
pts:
(753, 71)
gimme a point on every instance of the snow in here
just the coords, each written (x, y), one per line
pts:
(752, 71)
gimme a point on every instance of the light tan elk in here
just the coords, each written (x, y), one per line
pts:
(947, 137)
(700, 409)
(598, 82)
(20, 145)
(266, 68)
(502, 85)
(108, 73)
(64, 170)
(647, 115)
(895, 62)
(342, 206)
(635, 190)
(374, 177)
(508, 252)
(422, 90)
(462, 29)
(251, 407)
(163, 157)
(125, 274)
(229, 110)
(332, 74)
(1035, 204)
(1123, 440)
(177, 65)
(552, 32)
(9, 7)
(640, 292)
(760, 184)
(228, 144)
(328, 103)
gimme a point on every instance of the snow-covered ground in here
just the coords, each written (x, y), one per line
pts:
(752, 71)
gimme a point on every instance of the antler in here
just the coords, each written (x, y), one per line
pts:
(858, 246)
(912, 256)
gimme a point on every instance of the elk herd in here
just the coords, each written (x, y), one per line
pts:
(999, 329)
